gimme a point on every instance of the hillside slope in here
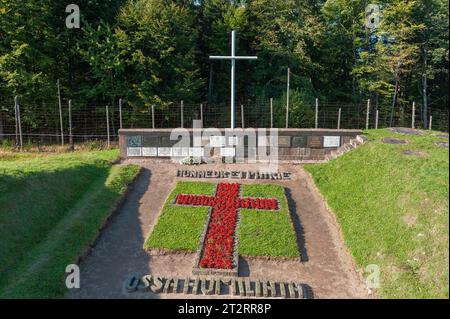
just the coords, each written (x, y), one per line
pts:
(51, 208)
(393, 210)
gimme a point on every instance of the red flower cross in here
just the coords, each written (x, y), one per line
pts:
(220, 236)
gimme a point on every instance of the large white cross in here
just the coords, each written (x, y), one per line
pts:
(233, 59)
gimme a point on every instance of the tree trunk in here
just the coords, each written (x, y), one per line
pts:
(1, 127)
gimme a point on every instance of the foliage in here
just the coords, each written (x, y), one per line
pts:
(156, 52)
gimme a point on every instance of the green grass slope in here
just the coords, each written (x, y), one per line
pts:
(51, 208)
(393, 211)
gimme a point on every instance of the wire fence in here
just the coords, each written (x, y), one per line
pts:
(45, 124)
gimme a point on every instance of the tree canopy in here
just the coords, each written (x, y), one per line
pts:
(156, 51)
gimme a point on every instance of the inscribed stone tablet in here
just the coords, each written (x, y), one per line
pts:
(264, 141)
(149, 151)
(133, 151)
(134, 141)
(217, 141)
(299, 141)
(196, 151)
(331, 141)
(284, 141)
(166, 142)
(314, 141)
(227, 152)
(233, 140)
(164, 151)
(180, 151)
(150, 141)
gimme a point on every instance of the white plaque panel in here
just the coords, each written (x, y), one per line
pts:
(134, 151)
(165, 151)
(196, 151)
(233, 140)
(331, 141)
(227, 152)
(217, 141)
(149, 151)
(265, 141)
(180, 151)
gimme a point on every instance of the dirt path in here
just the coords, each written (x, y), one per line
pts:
(326, 266)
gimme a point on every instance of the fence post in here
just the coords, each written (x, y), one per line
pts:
(20, 126)
(201, 113)
(431, 123)
(287, 97)
(242, 115)
(339, 119)
(70, 125)
(120, 113)
(107, 125)
(316, 119)
(60, 112)
(271, 112)
(182, 115)
(367, 114)
(153, 116)
(19, 139)
(16, 121)
(413, 115)
(376, 119)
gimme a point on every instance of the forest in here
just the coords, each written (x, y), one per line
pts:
(156, 52)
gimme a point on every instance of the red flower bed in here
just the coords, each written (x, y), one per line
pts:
(219, 243)
(218, 251)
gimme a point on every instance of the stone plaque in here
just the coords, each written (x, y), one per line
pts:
(284, 141)
(314, 141)
(196, 151)
(180, 151)
(233, 140)
(164, 151)
(149, 151)
(227, 152)
(264, 141)
(166, 142)
(217, 141)
(150, 141)
(299, 141)
(134, 151)
(134, 141)
(331, 141)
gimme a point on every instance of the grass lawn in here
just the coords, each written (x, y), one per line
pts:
(266, 233)
(393, 211)
(179, 228)
(51, 207)
(261, 233)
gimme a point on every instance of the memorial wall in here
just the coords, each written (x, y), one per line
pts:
(293, 145)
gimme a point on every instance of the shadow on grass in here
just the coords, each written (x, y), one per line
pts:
(49, 219)
(118, 252)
